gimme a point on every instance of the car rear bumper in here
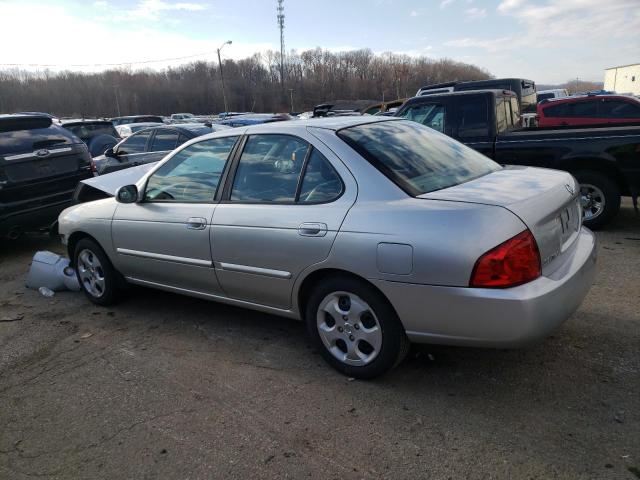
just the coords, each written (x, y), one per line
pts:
(506, 318)
(33, 214)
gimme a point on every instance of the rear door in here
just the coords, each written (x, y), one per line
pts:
(280, 214)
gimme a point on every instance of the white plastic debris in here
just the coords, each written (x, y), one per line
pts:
(46, 292)
(52, 271)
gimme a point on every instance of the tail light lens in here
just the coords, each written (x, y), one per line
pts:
(94, 169)
(511, 263)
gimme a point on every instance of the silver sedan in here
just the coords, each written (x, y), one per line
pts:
(374, 231)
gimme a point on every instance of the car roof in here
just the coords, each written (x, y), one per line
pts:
(580, 98)
(463, 92)
(85, 121)
(329, 123)
(138, 124)
(136, 116)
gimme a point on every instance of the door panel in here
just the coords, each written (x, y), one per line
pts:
(154, 242)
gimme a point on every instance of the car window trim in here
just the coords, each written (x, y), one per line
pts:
(153, 138)
(227, 195)
(214, 199)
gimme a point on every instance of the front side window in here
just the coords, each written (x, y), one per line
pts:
(192, 175)
(429, 114)
(414, 157)
(269, 169)
(164, 140)
(135, 143)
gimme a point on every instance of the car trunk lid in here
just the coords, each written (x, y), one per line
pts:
(547, 201)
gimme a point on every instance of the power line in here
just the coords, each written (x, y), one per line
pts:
(143, 62)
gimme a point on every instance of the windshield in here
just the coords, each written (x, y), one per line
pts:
(416, 158)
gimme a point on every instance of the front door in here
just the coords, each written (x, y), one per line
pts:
(280, 214)
(164, 239)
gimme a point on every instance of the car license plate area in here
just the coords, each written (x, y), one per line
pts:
(569, 220)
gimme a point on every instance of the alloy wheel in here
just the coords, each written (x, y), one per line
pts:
(91, 273)
(592, 200)
(349, 328)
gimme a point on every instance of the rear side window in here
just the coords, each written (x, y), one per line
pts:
(416, 158)
(320, 183)
(269, 169)
(501, 117)
(23, 123)
(618, 109)
(431, 115)
(474, 117)
(164, 140)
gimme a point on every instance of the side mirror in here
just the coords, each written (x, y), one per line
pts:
(110, 152)
(127, 194)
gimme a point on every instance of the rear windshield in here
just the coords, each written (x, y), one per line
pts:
(90, 130)
(416, 158)
(13, 124)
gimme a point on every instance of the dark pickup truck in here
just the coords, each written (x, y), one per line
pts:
(604, 160)
(40, 166)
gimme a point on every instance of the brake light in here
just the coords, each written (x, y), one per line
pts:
(511, 263)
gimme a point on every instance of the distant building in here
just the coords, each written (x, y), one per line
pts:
(624, 79)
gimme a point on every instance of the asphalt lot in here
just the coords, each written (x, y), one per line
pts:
(169, 387)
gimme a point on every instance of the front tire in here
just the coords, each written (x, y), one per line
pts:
(355, 328)
(600, 197)
(97, 277)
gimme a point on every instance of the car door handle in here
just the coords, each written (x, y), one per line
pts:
(312, 229)
(196, 223)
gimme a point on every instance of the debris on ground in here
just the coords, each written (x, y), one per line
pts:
(12, 318)
(46, 292)
(52, 271)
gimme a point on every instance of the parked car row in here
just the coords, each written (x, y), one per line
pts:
(485, 115)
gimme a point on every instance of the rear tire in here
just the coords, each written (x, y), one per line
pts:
(355, 328)
(600, 198)
(96, 275)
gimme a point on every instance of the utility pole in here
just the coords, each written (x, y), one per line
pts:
(576, 84)
(224, 94)
(115, 92)
(291, 96)
(280, 9)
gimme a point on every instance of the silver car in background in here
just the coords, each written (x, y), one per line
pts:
(374, 231)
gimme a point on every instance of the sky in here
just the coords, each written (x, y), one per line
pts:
(548, 41)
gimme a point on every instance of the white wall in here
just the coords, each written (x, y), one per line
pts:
(623, 79)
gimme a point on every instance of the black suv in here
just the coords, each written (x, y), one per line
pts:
(40, 166)
(98, 135)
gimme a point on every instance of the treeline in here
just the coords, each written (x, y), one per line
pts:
(252, 84)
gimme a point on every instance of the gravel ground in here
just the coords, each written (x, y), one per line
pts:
(163, 386)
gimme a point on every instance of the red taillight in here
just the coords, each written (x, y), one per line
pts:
(94, 169)
(511, 263)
